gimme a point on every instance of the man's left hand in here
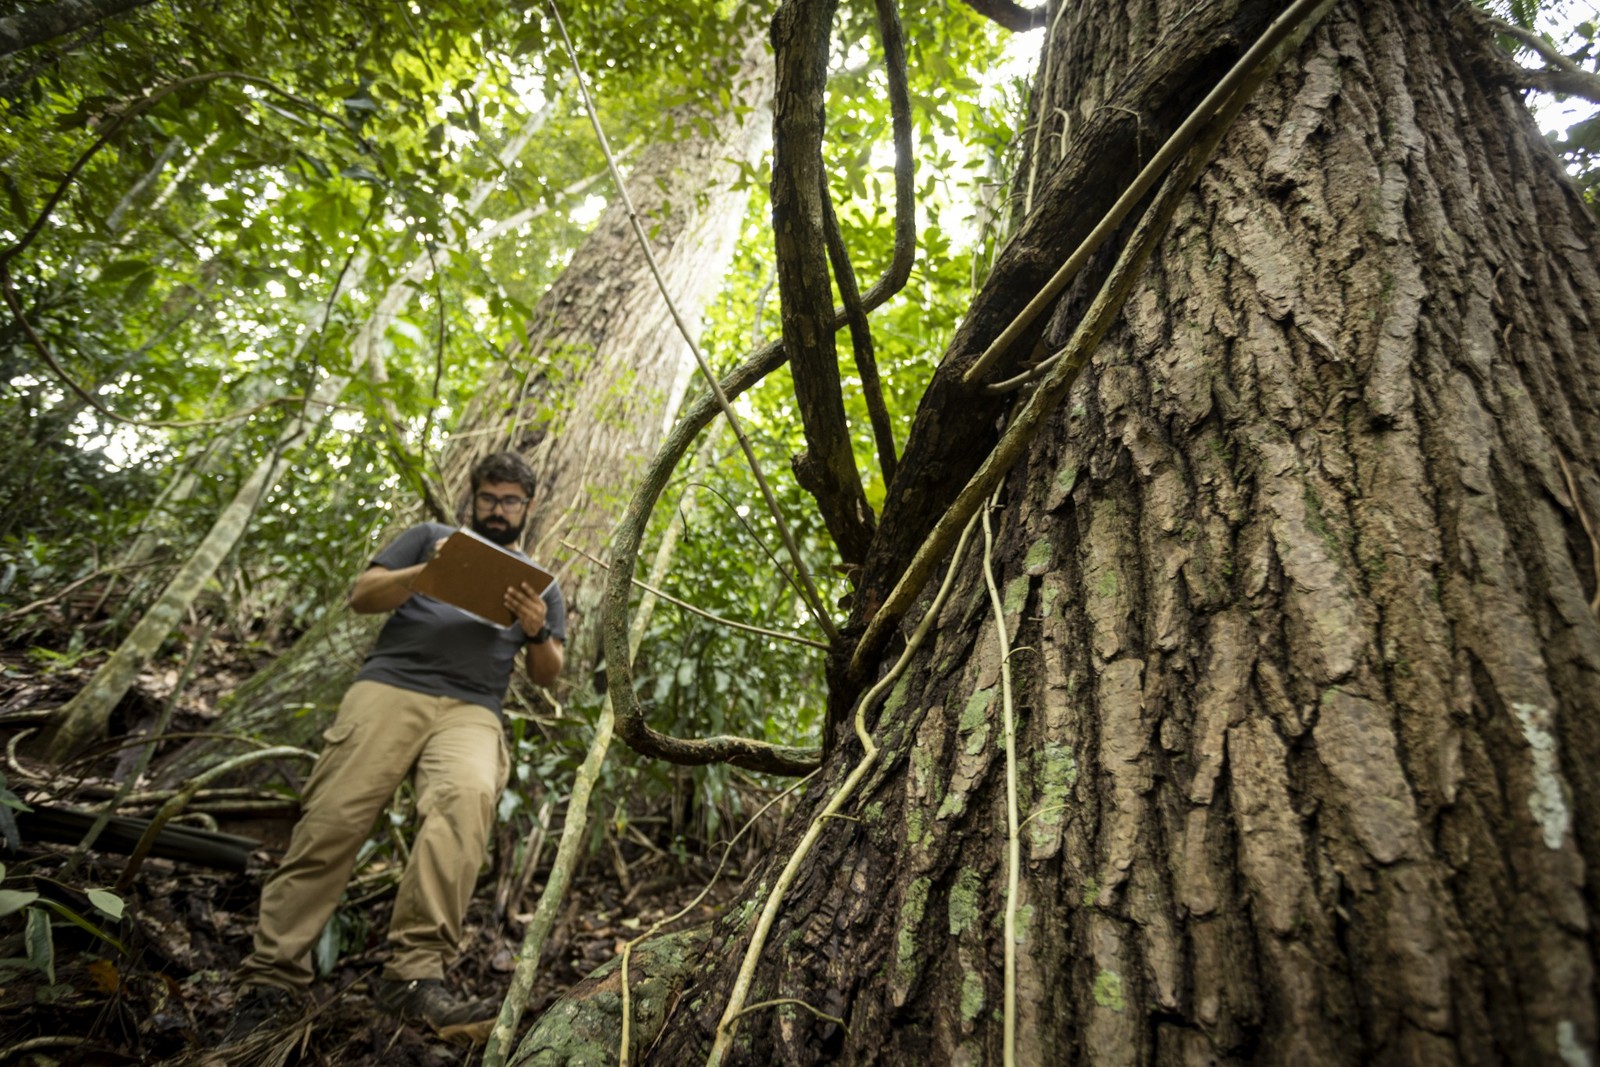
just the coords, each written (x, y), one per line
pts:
(528, 607)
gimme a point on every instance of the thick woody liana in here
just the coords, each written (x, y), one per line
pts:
(1061, 370)
(1237, 85)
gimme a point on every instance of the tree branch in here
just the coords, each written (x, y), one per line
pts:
(37, 25)
(905, 223)
(1565, 82)
(9, 292)
(801, 32)
(905, 163)
(860, 339)
(1546, 50)
(133, 110)
(1011, 15)
(1561, 76)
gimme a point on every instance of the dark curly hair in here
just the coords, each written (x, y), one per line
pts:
(504, 467)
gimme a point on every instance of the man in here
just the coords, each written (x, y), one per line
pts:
(426, 704)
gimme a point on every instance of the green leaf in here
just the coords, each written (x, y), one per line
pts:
(15, 899)
(326, 951)
(139, 287)
(79, 921)
(107, 902)
(41, 943)
(19, 207)
(316, 164)
(122, 269)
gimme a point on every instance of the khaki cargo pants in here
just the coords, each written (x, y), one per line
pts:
(456, 753)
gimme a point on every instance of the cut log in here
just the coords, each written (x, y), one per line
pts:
(183, 844)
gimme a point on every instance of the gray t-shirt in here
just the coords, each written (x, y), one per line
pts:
(431, 647)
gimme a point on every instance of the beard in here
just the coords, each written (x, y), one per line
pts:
(497, 529)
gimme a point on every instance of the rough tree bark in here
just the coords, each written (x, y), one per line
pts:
(588, 397)
(1299, 585)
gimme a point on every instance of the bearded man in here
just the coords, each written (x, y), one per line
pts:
(426, 704)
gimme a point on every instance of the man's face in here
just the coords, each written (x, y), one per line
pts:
(499, 510)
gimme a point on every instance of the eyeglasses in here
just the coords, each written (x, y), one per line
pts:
(509, 504)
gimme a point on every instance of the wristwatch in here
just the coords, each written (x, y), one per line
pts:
(541, 637)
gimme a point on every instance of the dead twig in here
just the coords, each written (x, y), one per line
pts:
(68, 589)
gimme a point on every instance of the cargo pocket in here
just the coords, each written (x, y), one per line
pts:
(335, 742)
(338, 732)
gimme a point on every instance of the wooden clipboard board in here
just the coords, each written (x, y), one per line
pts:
(473, 573)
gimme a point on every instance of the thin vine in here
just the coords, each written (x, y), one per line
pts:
(777, 635)
(1013, 829)
(660, 924)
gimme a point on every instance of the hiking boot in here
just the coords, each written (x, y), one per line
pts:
(427, 1001)
(253, 1007)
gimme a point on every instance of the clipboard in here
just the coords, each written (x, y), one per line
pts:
(473, 573)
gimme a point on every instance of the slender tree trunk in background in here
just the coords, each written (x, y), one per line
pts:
(131, 198)
(83, 719)
(1305, 668)
(585, 403)
(161, 526)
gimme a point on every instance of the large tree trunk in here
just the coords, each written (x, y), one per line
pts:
(605, 366)
(588, 397)
(1298, 583)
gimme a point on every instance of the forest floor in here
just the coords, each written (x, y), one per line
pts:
(164, 996)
